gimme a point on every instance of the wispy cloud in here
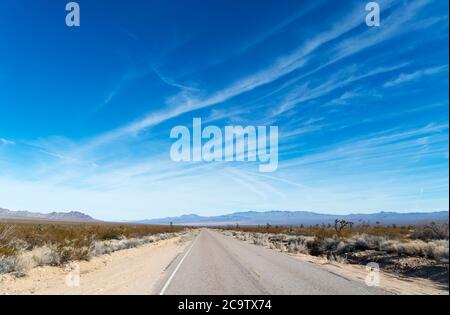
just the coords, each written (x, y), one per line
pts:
(119, 86)
(226, 114)
(6, 141)
(172, 82)
(345, 97)
(416, 75)
(384, 146)
(304, 93)
(282, 66)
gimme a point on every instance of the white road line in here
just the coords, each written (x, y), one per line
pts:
(176, 269)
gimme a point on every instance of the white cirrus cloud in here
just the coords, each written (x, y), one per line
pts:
(6, 141)
(416, 75)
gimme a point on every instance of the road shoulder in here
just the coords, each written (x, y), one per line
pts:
(130, 271)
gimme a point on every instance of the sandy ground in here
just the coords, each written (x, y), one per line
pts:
(390, 282)
(130, 271)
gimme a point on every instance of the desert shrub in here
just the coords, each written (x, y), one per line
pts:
(24, 245)
(68, 253)
(329, 244)
(344, 230)
(280, 246)
(7, 246)
(336, 248)
(101, 248)
(277, 238)
(373, 241)
(437, 250)
(315, 247)
(6, 232)
(260, 239)
(25, 260)
(40, 234)
(8, 264)
(332, 257)
(297, 247)
(432, 231)
(46, 255)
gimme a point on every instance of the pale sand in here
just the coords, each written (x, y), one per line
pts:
(390, 282)
(130, 271)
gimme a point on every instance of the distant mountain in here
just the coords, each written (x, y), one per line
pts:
(301, 217)
(74, 216)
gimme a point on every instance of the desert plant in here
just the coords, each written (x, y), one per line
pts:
(437, 250)
(339, 225)
(431, 231)
(24, 245)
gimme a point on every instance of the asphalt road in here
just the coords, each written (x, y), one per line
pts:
(219, 264)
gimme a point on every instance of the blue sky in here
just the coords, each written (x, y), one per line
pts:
(86, 113)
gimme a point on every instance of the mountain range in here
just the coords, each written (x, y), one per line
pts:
(249, 218)
(72, 216)
(301, 217)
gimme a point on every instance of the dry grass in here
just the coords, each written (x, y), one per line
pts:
(328, 231)
(24, 245)
(428, 241)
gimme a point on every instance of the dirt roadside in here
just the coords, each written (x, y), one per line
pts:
(392, 283)
(130, 271)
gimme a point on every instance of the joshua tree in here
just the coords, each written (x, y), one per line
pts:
(339, 225)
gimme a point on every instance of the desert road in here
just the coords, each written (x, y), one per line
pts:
(219, 264)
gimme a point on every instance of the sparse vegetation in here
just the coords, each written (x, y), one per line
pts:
(24, 245)
(432, 231)
(329, 231)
